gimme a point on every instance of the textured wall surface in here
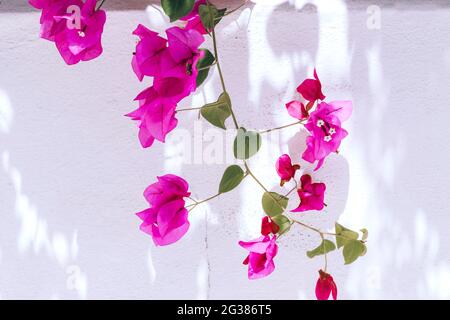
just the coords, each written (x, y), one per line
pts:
(72, 171)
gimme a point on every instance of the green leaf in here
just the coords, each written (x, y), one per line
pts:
(325, 247)
(343, 235)
(204, 63)
(246, 144)
(217, 112)
(283, 223)
(231, 178)
(352, 250)
(274, 204)
(365, 234)
(177, 9)
(210, 15)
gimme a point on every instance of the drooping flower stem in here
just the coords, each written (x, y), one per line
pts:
(207, 67)
(282, 127)
(293, 189)
(321, 233)
(254, 177)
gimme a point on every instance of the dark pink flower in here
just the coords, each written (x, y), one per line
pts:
(260, 260)
(325, 286)
(268, 227)
(193, 21)
(167, 218)
(297, 110)
(311, 89)
(82, 44)
(311, 195)
(324, 125)
(285, 169)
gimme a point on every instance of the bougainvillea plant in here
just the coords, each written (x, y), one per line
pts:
(75, 26)
(178, 65)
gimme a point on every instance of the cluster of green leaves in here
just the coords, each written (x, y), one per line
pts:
(353, 245)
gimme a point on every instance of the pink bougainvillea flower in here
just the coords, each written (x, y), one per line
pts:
(285, 169)
(193, 20)
(311, 89)
(260, 260)
(311, 195)
(172, 63)
(147, 58)
(268, 227)
(51, 9)
(167, 218)
(325, 286)
(324, 125)
(82, 44)
(297, 110)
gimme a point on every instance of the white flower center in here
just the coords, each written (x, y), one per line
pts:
(332, 131)
(327, 138)
(81, 34)
(320, 123)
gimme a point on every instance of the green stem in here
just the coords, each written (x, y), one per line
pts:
(219, 69)
(255, 178)
(188, 109)
(324, 253)
(237, 8)
(293, 189)
(196, 203)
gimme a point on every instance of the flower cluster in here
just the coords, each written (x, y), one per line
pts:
(75, 27)
(178, 66)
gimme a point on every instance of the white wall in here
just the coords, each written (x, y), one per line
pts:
(72, 171)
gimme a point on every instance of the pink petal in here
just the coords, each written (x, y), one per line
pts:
(297, 110)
